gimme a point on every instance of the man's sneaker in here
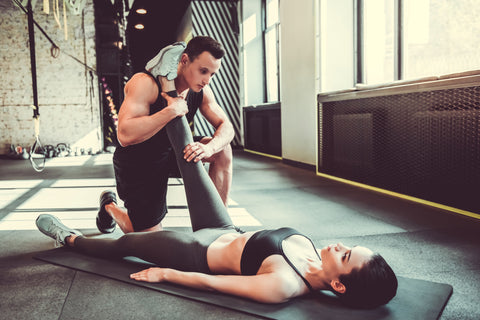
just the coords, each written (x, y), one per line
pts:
(52, 227)
(165, 63)
(105, 222)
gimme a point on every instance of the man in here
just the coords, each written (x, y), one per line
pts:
(142, 162)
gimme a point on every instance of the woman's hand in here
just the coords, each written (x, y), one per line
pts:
(150, 275)
(177, 104)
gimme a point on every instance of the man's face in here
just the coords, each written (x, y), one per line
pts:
(199, 72)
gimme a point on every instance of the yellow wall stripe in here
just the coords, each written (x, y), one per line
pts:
(263, 154)
(403, 196)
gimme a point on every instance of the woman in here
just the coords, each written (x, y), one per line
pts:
(269, 266)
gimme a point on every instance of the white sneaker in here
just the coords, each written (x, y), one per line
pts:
(165, 63)
(52, 227)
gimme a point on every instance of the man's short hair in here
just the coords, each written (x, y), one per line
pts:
(199, 44)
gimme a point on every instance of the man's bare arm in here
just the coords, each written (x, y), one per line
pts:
(224, 132)
(135, 124)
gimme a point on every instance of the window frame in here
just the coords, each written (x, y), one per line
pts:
(401, 66)
(359, 37)
(265, 30)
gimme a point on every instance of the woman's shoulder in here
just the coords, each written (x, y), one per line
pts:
(286, 279)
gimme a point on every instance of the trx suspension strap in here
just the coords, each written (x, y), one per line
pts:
(36, 114)
(38, 151)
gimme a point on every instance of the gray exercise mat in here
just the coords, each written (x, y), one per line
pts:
(416, 299)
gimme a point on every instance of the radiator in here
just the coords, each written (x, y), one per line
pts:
(422, 144)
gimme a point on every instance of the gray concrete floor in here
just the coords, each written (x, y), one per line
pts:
(419, 241)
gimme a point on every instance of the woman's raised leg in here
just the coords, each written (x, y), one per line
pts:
(204, 203)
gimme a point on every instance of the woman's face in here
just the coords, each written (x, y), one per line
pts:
(338, 259)
(200, 71)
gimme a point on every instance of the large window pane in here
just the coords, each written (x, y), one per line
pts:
(271, 62)
(379, 39)
(440, 37)
(271, 50)
(271, 12)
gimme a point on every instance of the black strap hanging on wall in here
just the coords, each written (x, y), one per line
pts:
(31, 37)
(36, 112)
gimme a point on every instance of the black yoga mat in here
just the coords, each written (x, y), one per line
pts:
(416, 299)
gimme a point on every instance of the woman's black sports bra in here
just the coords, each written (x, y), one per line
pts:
(265, 243)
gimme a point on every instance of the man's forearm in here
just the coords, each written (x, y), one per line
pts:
(222, 137)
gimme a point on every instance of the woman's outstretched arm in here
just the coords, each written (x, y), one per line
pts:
(265, 288)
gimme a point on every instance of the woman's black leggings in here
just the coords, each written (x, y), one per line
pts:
(170, 249)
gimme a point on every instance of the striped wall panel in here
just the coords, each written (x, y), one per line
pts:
(214, 19)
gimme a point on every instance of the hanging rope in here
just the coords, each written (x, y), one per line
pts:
(65, 26)
(54, 50)
(56, 13)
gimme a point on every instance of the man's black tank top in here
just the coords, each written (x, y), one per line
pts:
(159, 144)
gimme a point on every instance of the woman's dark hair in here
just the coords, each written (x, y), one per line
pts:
(199, 44)
(372, 285)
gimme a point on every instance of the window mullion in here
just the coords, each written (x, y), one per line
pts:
(398, 55)
(358, 20)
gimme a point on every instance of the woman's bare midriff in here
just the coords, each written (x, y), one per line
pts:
(224, 254)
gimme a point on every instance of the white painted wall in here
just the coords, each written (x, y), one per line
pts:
(297, 80)
(316, 55)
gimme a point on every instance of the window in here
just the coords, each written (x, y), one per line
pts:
(440, 37)
(378, 41)
(270, 37)
(408, 39)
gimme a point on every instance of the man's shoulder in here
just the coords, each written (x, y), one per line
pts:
(142, 85)
(143, 79)
(142, 76)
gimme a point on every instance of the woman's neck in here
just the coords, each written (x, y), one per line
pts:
(317, 279)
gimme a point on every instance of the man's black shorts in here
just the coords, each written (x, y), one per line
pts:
(142, 185)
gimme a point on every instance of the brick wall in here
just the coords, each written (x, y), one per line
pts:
(67, 95)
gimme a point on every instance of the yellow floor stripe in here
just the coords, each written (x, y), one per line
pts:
(263, 154)
(403, 196)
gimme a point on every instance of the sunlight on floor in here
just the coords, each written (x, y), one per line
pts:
(67, 161)
(103, 159)
(75, 202)
(78, 161)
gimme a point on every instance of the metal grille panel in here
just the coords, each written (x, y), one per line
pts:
(421, 144)
(214, 19)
